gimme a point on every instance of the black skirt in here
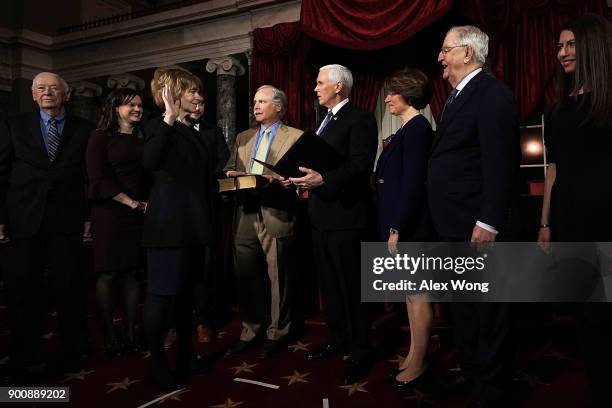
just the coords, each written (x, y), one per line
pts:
(174, 270)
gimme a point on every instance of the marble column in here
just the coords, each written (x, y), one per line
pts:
(249, 56)
(125, 81)
(227, 69)
(83, 100)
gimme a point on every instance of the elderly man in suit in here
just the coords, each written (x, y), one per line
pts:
(264, 225)
(472, 170)
(42, 211)
(338, 212)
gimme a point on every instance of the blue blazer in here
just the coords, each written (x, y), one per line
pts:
(401, 173)
(474, 160)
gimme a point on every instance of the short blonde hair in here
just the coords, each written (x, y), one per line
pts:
(178, 80)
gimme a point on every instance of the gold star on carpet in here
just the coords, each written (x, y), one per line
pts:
(558, 355)
(146, 354)
(49, 335)
(123, 385)
(455, 369)
(175, 397)
(227, 404)
(296, 377)
(243, 368)
(37, 368)
(298, 346)
(399, 359)
(221, 334)
(77, 376)
(531, 380)
(421, 398)
(354, 388)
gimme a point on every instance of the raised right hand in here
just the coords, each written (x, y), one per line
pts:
(172, 107)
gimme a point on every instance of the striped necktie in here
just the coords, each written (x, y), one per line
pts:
(261, 153)
(53, 138)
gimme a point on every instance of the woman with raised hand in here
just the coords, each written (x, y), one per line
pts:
(178, 229)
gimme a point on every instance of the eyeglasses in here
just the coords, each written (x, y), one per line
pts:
(446, 50)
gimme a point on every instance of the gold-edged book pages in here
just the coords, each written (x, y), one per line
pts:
(241, 183)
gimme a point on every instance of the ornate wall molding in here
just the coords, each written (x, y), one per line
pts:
(85, 89)
(125, 81)
(225, 66)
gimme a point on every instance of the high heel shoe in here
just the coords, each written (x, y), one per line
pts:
(161, 376)
(113, 349)
(391, 374)
(415, 382)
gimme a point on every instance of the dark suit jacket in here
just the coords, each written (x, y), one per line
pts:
(474, 160)
(31, 185)
(217, 147)
(179, 211)
(401, 174)
(342, 202)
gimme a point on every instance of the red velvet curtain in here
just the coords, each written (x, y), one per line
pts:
(279, 59)
(368, 24)
(524, 35)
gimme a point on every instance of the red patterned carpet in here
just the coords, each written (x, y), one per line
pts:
(548, 374)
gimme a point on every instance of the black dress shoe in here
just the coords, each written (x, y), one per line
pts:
(113, 349)
(161, 376)
(192, 365)
(355, 371)
(415, 382)
(457, 383)
(270, 347)
(239, 347)
(328, 351)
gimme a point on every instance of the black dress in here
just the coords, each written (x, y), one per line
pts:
(581, 198)
(114, 166)
(581, 205)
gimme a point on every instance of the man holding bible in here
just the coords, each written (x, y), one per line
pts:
(263, 225)
(337, 207)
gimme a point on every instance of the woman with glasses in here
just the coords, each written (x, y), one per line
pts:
(578, 192)
(402, 212)
(118, 191)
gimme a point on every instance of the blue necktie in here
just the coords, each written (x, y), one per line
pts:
(53, 139)
(328, 117)
(450, 100)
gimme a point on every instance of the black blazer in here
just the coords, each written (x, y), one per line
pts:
(31, 185)
(218, 152)
(179, 211)
(401, 175)
(342, 202)
(475, 159)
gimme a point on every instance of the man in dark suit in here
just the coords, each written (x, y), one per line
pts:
(42, 211)
(212, 305)
(337, 207)
(471, 176)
